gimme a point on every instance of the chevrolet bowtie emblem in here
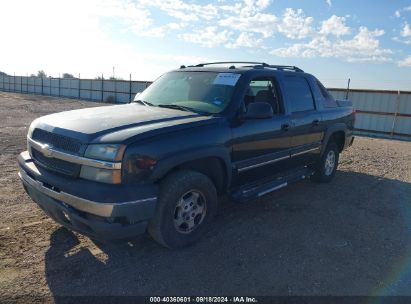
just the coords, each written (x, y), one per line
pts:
(46, 150)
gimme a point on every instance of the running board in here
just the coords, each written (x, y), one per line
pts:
(263, 187)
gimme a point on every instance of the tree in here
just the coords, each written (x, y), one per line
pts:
(68, 75)
(115, 78)
(2, 73)
(41, 73)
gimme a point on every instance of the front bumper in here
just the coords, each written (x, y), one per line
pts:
(100, 211)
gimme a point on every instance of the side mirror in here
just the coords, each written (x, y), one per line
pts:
(259, 110)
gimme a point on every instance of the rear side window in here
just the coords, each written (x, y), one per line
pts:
(299, 94)
(327, 100)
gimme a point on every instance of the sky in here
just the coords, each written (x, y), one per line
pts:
(366, 41)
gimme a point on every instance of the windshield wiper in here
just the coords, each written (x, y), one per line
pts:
(172, 106)
(145, 103)
(178, 107)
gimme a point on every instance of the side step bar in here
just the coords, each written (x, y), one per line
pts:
(263, 187)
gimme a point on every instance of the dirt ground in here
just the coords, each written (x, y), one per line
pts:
(349, 237)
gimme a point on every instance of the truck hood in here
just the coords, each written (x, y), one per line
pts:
(116, 123)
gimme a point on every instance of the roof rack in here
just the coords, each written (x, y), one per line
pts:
(286, 67)
(228, 62)
(254, 64)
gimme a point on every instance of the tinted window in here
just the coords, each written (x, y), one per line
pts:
(263, 90)
(327, 99)
(299, 94)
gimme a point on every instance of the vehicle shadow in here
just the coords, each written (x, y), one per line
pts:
(349, 237)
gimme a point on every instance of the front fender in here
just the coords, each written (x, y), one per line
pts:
(164, 165)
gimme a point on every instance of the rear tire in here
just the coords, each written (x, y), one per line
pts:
(186, 206)
(327, 165)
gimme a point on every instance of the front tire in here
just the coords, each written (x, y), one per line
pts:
(186, 206)
(327, 164)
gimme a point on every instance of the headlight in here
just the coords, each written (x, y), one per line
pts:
(31, 129)
(109, 152)
(101, 175)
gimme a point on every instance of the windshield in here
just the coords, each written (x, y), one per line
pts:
(206, 92)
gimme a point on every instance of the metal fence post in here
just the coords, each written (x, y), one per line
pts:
(79, 83)
(130, 88)
(115, 90)
(59, 86)
(42, 85)
(102, 87)
(397, 109)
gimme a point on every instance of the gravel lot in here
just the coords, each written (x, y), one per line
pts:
(349, 237)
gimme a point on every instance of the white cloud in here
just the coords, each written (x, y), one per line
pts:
(295, 25)
(183, 10)
(406, 31)
(209, 37)
(79, 46)
(404, 9)
(334, 25)
(245, 40)
(401, 40)
(405, 35)
(252, 7)
(362, 47)
(329, 3)
(87, 45)
(406, 62)
(135, 17)
(131, 15)
(264, 24)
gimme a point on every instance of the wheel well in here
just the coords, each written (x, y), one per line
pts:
(339, 138)
(212, 167)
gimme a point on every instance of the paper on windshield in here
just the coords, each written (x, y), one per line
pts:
(229, 79)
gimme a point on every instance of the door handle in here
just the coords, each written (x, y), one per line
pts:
(316, 122)
(285, 126)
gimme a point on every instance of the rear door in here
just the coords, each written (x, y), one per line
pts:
(305, 120)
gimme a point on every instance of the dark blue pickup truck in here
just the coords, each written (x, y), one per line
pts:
(160, 163)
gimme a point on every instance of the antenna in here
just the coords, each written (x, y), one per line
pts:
(348, 89)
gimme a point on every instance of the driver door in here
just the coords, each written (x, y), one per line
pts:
(261, 147)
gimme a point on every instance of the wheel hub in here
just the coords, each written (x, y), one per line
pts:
(329, 163)
(190, 211)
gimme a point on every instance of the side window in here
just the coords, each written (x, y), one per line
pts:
(328, 101)
(263, 90)
(299, 94)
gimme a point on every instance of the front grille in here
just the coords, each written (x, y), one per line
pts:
(55, 164)
(60, 142)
